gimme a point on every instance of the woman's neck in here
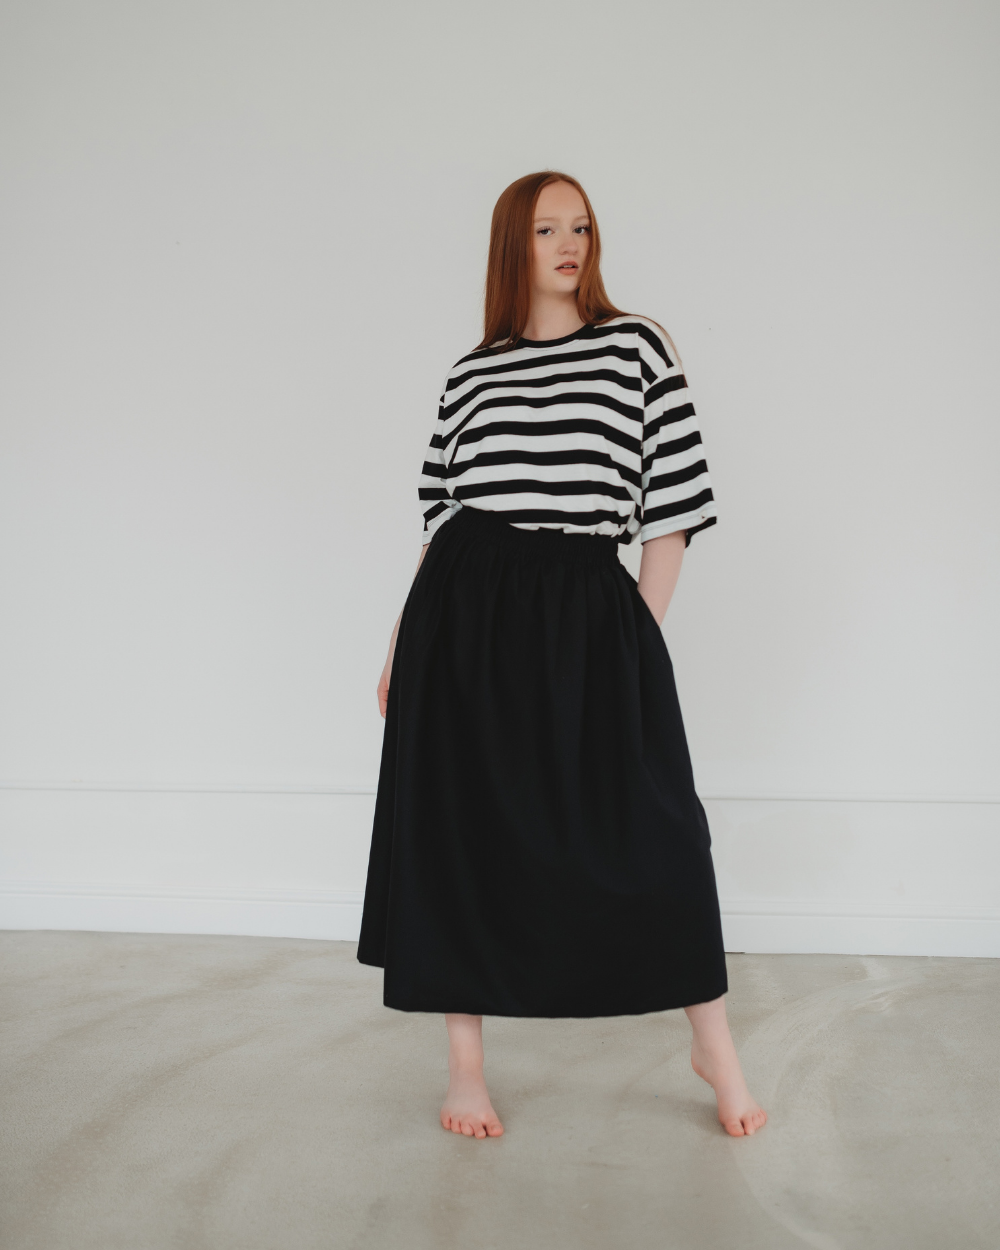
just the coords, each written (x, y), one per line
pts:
(552, 317)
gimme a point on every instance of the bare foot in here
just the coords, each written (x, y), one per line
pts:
(467, 1108)
(739, 1114)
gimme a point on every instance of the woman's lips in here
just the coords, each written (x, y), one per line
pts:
(568, 265)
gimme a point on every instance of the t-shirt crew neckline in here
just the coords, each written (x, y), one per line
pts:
(566, 338)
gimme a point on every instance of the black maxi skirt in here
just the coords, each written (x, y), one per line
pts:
(538, 847)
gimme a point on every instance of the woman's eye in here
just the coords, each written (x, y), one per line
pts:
(582, 230)
(545, 230)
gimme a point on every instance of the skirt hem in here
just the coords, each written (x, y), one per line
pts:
(673, 1004)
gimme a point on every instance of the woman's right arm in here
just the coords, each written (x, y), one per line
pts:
(383, 684)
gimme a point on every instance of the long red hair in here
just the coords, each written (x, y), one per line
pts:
(508, 270)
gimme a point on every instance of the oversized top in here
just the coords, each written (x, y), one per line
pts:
(592, 433)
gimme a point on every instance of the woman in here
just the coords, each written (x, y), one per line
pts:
(538, 846)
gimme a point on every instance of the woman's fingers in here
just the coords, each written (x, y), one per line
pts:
(383, 684)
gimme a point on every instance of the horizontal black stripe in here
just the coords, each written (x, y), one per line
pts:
(569, 456)
(556, 379)
(431, 513)
(540, 429)
(669, 417)
(665, 450)
(663, 480)
(677, 508)
(676, 383)
(540, 361)
(654, 341)
(521, 486)
(570, 399)
(630, 327)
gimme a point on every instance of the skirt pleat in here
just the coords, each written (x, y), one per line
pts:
(538, 846)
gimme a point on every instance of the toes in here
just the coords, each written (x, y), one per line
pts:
(747, 1124)
(471, 1126)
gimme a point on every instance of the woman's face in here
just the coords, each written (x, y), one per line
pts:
(561, 235)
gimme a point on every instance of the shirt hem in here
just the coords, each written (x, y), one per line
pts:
(671, 525)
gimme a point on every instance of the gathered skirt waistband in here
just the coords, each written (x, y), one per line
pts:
(477, 525)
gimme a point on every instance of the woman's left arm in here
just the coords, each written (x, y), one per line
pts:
(659, 570)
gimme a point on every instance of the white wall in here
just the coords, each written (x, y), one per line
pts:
(244, 243)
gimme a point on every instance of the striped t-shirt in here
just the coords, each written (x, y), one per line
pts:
(592, 433)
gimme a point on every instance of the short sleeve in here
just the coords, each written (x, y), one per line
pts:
(676, 491)
(437, 504)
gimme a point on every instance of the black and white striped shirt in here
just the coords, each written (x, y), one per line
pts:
(592, 433)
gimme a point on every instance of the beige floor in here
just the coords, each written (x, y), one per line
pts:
(250, 1093)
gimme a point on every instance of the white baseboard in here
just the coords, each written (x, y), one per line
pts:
(811, 928)
(777, 926)
(333, 917)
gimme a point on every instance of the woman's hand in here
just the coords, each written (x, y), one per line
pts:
(383, 681)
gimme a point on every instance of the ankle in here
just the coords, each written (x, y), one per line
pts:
(465, 1065)
(715, 1048)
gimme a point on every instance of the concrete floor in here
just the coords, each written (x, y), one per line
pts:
(213, 1093)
